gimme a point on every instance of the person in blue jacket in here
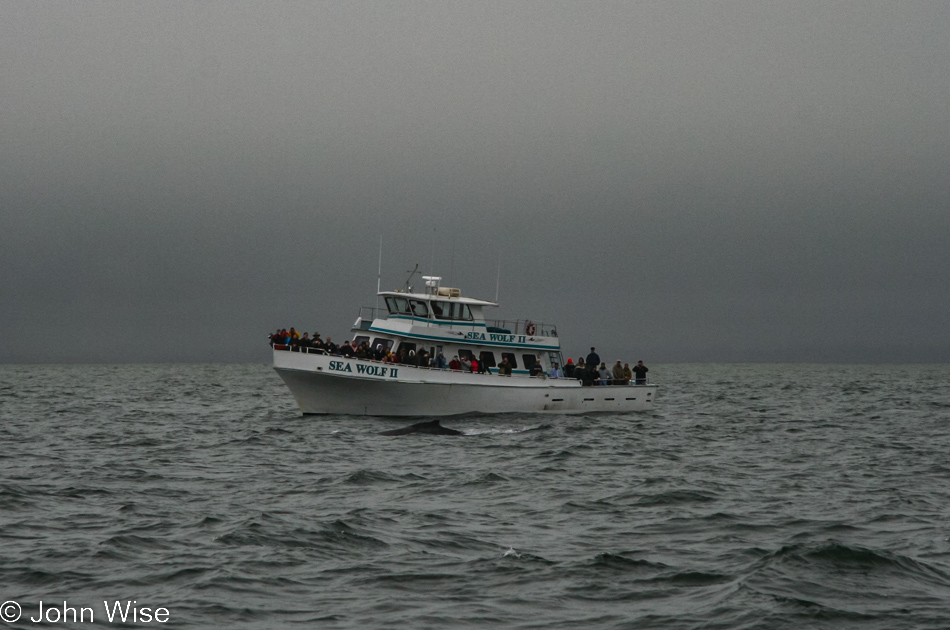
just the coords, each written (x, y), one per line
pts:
(593, 358)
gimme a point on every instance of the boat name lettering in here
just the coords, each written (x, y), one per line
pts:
(371, 370)
(477, 336)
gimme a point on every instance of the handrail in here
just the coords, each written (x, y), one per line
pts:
(372, 313)
(516, 326)
(520, 327)
(304, 350)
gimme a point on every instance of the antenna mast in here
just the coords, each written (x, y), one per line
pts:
(379, 272)
(406, 286)
(498, 279)
(432, 255)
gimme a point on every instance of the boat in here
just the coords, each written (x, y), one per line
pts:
(440, 321)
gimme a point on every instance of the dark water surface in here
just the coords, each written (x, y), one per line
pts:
(754, 496)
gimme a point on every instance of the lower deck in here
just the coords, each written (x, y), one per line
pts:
(323, 384)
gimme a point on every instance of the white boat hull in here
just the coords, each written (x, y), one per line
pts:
(323, 384)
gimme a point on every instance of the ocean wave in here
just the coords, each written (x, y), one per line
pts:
(766, 497)
(674, 497)
(333, 538)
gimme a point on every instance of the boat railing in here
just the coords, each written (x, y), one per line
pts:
(522, 327)
(305, 350)
(507, 326)
(369, 313)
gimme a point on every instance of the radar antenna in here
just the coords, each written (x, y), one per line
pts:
(407, 288)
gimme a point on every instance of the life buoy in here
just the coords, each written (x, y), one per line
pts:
(529, 328)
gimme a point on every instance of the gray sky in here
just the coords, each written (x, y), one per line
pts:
(668, 181)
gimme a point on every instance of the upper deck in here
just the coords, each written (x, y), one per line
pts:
(442, 314)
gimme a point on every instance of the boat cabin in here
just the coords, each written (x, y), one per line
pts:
(441, 321)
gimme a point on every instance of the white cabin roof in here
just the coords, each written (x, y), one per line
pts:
(432, 296)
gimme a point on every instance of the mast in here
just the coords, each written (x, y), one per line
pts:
(379, 272)
(498, 278)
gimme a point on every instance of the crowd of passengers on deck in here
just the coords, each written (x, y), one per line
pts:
(589, 372)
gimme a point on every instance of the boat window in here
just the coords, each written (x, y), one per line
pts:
(408, 346)
(451, 310)
(391, 305)
(530, 360)
(382, 341)
(511, 359)
(486, 357)
(358, 340)
(402, 305)
(466, 354)
(419, 308)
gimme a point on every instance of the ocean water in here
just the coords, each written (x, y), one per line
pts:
(753, 496)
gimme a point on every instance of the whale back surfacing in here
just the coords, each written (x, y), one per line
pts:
(428, 428)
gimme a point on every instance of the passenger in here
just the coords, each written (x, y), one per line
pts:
(617, 373)
(466, 363)
(640, 371)
(331, 347)
(476, 367)
(627, 373)
(483, 367)
(316, 343)
(604, 374)
(455, 364)
(536, 370)
(569, 369)
(556, 371)
(594, 374)
(504, 368)
(275, 338)
(422, 359)
(294, 334)
(379, 354)
(581, 367)
(306, 342)
(593, 358)
(585, 376)
(440, 363)
(347, 350)
(361, 351)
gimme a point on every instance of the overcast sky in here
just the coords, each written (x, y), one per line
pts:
(668, 181)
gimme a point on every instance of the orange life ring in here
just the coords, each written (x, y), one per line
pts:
(529, 328)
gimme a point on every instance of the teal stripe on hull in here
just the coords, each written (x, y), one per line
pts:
(437, 322)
